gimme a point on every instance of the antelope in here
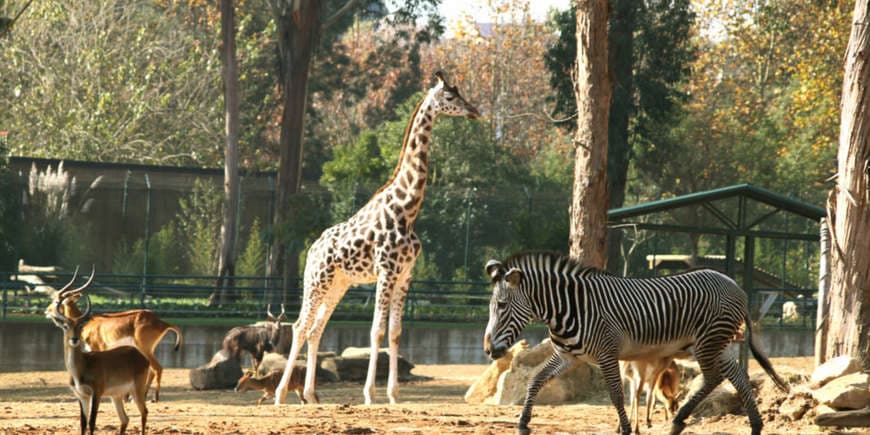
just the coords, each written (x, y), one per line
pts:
(269, 383)
(141, 329)
(256, 340)
(115, 373)
(661, 379)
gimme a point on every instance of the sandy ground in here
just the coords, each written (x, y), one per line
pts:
(40, 402)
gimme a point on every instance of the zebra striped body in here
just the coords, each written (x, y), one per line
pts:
(601, 318)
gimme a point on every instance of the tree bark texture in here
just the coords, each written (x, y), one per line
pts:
(621, 60)
(298, 28)
(229, 227)
(592, 91)
(849, 298)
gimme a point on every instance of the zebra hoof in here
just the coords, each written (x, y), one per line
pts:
(677, 427)
(523, 429)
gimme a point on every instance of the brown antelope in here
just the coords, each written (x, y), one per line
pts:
(269, 383)
(114, 373)
(139, 328)
(660, 377)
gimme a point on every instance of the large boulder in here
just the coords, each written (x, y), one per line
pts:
(846, 392)
(577, 383)
(325, 370)
(353, 365)
(221, 372)
(487, 384)
(834, 368)
(854, 418)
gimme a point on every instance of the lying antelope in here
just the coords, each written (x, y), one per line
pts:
(269, 383)
(139, 328)
(115, 373)
(255, 340)
(660, 378)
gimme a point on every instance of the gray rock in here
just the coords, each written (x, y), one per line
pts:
(847, 392)
(834, 368)
(325, 371)
(854, 418)
(221, 372)
(486, 385)
(575, 384)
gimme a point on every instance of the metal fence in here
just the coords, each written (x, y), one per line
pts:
(188, 296)
(449, 301)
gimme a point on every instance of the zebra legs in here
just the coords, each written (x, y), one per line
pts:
(610, 371)
(740, 380)
(555, 365)
(709, 356)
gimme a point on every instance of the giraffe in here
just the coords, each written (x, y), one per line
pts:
(377, 244)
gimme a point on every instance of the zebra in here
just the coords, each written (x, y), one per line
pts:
(600, 318)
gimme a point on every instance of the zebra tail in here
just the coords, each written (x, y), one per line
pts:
(762, 359)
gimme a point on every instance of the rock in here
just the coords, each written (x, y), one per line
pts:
(353, 365)
(847, 392)
(576, 383)
(721, 401)
(854, 418)
(487, 384)
(796, 406)
(325, 370)
(221, 372)
(834, 368)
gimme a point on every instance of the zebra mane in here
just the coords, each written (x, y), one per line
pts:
(552, 258)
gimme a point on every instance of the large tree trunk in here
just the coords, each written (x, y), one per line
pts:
(298, 28)
(621, 60)
(229, 228)
(849, 303)
(592, 91)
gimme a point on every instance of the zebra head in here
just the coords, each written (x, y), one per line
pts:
(509, 309)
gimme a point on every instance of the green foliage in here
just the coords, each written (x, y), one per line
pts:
(252, 260)
(165, 255)
(352, 167)
(10, 218)
(199, 225)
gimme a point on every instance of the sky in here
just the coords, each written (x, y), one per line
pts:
(452, 9)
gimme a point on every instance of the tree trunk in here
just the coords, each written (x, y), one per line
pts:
(850, 236)
(592, 91)
(298, 28)
(621, 60)
(227, 259)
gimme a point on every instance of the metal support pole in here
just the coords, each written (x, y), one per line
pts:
(268, 295)
(467, 229)
(5, 302)
(824, 286)
(124, 200)
(147, 239)
(748, 269)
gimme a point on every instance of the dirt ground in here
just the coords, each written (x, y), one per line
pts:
(40, 402)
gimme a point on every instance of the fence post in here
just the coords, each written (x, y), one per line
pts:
(147, 239)
(5, 303)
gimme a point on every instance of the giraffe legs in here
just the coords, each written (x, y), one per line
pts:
(379, 326)
(397, 304)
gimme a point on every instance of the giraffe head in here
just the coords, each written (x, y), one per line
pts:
(446, 99)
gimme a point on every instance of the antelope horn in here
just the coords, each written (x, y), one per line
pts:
(87, 313)
(60, 293)
(281, 316)
(87, 284)
(269, 310)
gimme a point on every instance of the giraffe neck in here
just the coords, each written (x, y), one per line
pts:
(407, 186)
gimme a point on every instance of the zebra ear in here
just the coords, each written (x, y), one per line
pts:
(514, 276)
(494, 269)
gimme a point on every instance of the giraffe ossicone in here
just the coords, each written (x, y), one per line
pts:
(376, 245)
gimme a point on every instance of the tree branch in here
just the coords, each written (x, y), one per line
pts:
(338, 14)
